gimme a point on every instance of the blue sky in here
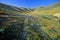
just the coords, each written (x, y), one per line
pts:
(29, 3)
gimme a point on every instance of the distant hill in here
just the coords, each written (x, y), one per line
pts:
(9, 8)
(53, 8)
(12, 10)
(47, 10)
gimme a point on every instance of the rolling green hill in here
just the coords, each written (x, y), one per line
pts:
(48, 10)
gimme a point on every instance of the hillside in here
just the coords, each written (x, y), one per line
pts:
(14, 10)
(48, 10)
(41, 23)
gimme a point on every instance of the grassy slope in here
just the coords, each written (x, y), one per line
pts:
(40, 25)
(48, 23)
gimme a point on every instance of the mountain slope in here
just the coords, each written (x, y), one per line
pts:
(48, 10)
(9, 8)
